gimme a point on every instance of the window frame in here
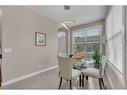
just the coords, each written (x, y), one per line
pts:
(88, 28)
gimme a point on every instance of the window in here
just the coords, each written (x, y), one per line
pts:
(114, 45)
(86, 40)
(61, 43)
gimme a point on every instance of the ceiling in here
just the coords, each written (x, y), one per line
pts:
(80, 14)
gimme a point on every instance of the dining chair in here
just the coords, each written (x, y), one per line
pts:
(66, 70)
(95, 73)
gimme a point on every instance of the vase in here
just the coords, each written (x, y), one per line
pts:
(96, 65)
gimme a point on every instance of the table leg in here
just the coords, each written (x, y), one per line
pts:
(82, 80)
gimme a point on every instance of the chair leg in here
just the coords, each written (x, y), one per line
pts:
(59, 73)
(80, 79)
(70, 84)
(100, 83)
(83, 80)
(60, 82)
(86, 77)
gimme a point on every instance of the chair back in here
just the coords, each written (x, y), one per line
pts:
(103, 64)
(65, 65)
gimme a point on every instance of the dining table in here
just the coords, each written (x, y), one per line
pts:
(83, 64)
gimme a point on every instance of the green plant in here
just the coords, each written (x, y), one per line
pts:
(97, 56)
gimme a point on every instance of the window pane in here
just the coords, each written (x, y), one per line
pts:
(61, 43)
(86, 40)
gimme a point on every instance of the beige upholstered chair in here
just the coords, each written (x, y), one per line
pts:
(95, 73)
(66, 70)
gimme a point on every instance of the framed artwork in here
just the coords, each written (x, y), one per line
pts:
(40, 39)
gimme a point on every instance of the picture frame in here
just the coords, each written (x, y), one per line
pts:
(40, 39)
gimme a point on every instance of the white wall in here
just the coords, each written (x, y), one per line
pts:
(19, 27)
(114, 46)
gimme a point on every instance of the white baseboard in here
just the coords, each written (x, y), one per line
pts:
(27, 76)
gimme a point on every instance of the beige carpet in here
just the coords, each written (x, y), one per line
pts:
(50, 80)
